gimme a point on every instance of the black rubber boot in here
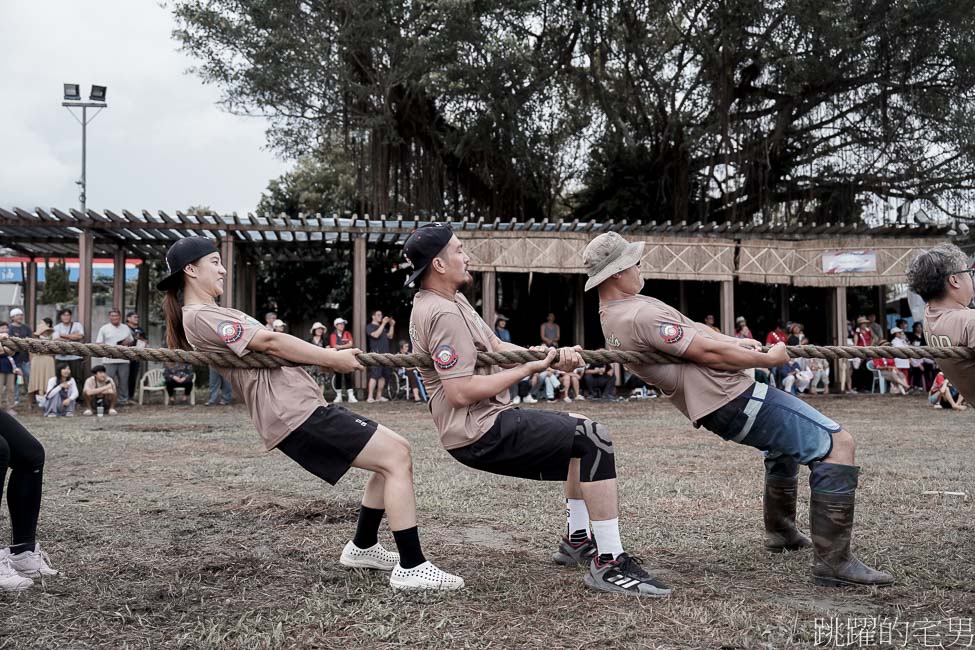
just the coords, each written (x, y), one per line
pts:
(781, 492)
(831, 520)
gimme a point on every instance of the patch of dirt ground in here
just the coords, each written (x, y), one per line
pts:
(175, 530)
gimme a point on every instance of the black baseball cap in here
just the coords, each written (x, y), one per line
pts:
(185, 251)
(423, 245)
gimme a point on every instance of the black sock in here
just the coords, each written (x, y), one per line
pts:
(408, 545)
(367, 529)
(16, 549)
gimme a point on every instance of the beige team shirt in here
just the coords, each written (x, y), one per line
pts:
(279, 399)
(642, 323)
(949, 327)
(451, 332)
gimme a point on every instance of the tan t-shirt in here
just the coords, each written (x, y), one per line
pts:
(92, 383)
(279, 399)
(949, 327)
(453, 333)
(643, 323)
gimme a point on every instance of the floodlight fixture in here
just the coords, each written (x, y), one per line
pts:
(98, 93)
(72, 92)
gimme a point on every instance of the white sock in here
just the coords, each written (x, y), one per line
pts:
(607, 534)
(577, 520)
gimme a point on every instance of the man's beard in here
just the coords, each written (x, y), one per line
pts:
(466, 282)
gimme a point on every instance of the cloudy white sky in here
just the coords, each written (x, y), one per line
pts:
(162, 143)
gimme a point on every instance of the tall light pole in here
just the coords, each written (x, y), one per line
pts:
(72, 99)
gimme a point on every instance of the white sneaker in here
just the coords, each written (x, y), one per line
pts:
(338, 398)
(530, 400)
(382, 399)
(567, 399)
(580, 398)
(10, 580)
(112, 412)
(516, 400)
(87, 412)
(370, 400)
(32, 564)
(425, 576)
(52, 415)
(374, 557)
(351, 397)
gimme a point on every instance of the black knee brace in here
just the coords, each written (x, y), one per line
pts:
(594, 449)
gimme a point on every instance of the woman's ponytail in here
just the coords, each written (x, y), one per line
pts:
(173, 309)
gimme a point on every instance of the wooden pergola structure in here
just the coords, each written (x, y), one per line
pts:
(772, 252)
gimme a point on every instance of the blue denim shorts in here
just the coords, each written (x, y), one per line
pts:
(775, 422)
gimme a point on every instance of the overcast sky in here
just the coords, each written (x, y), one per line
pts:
(162, 143)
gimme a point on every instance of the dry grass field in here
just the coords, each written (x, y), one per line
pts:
(175, 530)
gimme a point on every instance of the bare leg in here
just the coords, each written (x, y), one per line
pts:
(372, 496)
(844, 449)
(388, 454)
(371, 387)
(380, 386)
(573, 489)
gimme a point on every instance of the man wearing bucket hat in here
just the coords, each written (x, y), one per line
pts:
(482, 429)
(713, 392)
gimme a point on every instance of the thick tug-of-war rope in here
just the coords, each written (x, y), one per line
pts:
(259, 360)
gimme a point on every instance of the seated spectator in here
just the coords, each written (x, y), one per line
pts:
(61, 394)
(570, 383)
(178, 375)
(279, 326)
(945, 396)
(547, 385)
(786, 375)
(820, 371)
(899, 340)
(741, 329)
(524, 390)
(889, 371)
(410, 382)
(598, 381)
(99, 390)
(501, 328)
(795, 334)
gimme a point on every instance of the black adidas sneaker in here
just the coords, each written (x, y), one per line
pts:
(573, 554)
(624, 575)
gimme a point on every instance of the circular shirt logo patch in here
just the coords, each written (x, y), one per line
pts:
(445, 357)
(671, 332)
(230, 331)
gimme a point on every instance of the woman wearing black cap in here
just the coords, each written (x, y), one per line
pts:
(288, 410)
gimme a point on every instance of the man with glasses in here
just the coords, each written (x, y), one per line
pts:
(945, 278)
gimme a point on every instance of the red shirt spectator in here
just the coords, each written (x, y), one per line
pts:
(776, 336)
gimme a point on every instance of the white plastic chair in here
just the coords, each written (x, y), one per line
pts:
(877, 379)
(152, 381)
(188, 388)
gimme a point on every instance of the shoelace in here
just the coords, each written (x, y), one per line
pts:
(631, 566)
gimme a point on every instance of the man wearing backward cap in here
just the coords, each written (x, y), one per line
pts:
(482, 429)
(713, 391)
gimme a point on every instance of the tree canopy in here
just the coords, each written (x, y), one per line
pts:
(706, 110)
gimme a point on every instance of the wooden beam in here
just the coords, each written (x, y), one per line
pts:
(86, 243)
(359, 316)
(118, 280)
(728, 307)
(489, 297)
(142, 294)
(683, 304)
(784, 303)
(30, 289)
(579, 317)
(229, 282)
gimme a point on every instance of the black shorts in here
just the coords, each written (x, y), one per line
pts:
(328, 441)
(528, 444)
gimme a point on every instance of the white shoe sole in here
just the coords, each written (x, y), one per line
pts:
(364, 563)
(440, 586)
(19, 586)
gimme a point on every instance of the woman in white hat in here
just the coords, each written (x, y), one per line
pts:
(341, 339)
(41, 365)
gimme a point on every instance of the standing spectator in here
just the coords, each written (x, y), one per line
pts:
(550, 332)
(709, 321)
(61, 394)
(862, 337)
(68, 330)
(100, 390)
(317, 337)
(221, 392)
(115, 332)
(8, 374)
(916, 376)
(844, 367)
(20, 329)
(269, 319)
(279, 326)
(341, 339)
(178, 375)
(41, 365)
(876, 329)
(140, 341)
(378, 334)
(795, 334)
(741, 329)
(777, 335)
(501, 328)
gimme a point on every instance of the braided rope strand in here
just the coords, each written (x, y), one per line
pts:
(260, 360)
